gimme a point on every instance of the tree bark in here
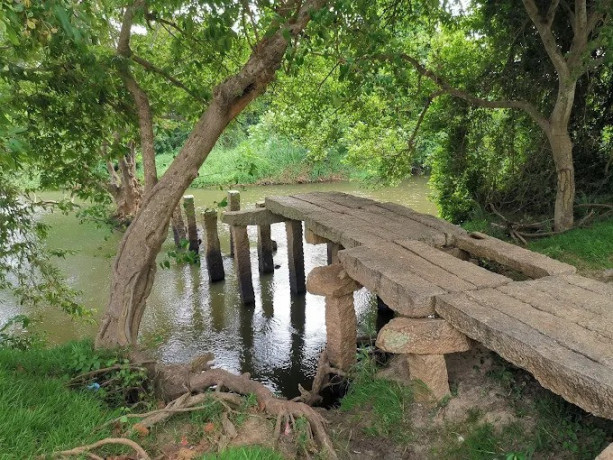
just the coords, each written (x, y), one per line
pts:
(134, 268)
(124, 187)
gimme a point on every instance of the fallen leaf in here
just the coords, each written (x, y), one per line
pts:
(184, 441)
(209, 427)
(141, 429)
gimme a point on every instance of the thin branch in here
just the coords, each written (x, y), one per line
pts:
(252, 19)
(551, 12)
(549, 41)
(327, 76)
(422, 115)
(477, 101)
(153, 68)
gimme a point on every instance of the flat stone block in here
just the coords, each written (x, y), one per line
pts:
(432, 371)
(258, 216)
(422, 336)
(606, 454)
(331, 281)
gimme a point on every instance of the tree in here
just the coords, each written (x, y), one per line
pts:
(588, 22)
(134, 267)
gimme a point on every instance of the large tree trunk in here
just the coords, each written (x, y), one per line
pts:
(135, 267)
(562, 152)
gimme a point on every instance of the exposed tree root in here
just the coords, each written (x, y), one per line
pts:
(79, 379)
(86, 450)
(518, 230)
(267, 401)
(320, 382)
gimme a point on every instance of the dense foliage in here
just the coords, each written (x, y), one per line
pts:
(373, 90)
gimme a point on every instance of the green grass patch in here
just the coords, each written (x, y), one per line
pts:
(588, 248)
(245, 453)
(385, 401)
(262, 160)
(38, 413)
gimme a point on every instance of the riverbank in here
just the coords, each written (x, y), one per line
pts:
(272, 161)
(496, 410)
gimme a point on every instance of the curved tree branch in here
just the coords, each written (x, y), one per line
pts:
(543, 27)
(141, 100)
(477, 101)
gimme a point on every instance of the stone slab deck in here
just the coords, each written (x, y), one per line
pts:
(407, 276)
(545, 327)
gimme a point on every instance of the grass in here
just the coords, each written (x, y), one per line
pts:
(245, 453)
(38, 414)
(270, 160)
(386, 400)
(588, 248)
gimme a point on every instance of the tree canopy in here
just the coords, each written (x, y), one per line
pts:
(504, 107)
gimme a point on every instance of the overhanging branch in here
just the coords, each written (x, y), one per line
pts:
(474, 100)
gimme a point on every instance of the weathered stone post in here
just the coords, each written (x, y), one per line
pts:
(234, 204)
(424, 342)
(190, 214)
(265, 247)
(243, 263)
(341, 326)
(214, 261)
(332, 249)
(295, 255)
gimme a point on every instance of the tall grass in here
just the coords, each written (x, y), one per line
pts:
(270, 160)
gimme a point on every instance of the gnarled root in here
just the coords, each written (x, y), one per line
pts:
(320, 382)
(267, 401)
(86, 450)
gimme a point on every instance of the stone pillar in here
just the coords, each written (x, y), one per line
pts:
(243, 264)
(424, 342)
(295, 255)
(265, 247)
(432, 371)
(214, 261)
(178, 227)
(234, 204)
(190, 214)
(333, 249)
(341, 325)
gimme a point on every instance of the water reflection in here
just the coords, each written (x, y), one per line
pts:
(278, 340)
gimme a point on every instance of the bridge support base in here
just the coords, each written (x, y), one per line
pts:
(341, 325)
(432, 371)
(214, 261)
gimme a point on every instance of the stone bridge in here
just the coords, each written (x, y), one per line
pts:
(545, 318)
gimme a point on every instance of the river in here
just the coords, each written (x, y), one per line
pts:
(278, 341)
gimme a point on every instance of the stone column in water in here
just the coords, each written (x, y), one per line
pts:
(341, 325)
(190, 214)
(242, 258)
(265, 247)
(295, 255)
(214, 261)
(234, 204)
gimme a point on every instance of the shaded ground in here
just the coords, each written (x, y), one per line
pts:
(496, 411)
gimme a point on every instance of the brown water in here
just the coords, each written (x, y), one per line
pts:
(278, 341)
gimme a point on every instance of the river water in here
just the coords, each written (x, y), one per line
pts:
(278, 341)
